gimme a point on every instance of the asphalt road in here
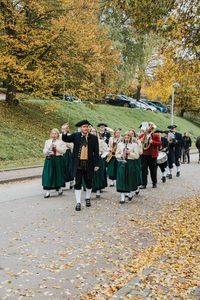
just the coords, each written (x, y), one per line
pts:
(49, 251)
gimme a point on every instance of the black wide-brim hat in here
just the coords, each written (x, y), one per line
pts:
(102, 124)
(171, 126)
(83, 122)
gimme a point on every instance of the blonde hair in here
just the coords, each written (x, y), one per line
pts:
(93, 129)
(116, 130)
(56, 131)
(127, 133)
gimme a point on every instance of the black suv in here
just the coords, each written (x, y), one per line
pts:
(119, 100)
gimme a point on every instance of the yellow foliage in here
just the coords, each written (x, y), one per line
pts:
(44, 44)
(185, 72)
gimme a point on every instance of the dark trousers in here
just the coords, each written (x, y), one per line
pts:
(163, 166)
(80, 174)
(150, 163)
(199, 153)
(186, 153)
(173, 158)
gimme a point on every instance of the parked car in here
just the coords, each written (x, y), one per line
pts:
(162, 107)
(148, 106)
(120, 100)
(70, 98)
(152, 104)
(138, 104)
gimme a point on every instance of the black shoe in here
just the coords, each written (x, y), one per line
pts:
(112, 185)
(142, 187)
(154, 186)
(121, 202)
(78, 207)
(170, 176)
(130, 198)
(97, 196)
(137, 192)
(178, 174)
(71, 187)
(163, 179)
(88, 203)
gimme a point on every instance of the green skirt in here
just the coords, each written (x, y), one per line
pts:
(112, 168)
(127, 177)
(53, 175)
(68, 164)
(99, 181)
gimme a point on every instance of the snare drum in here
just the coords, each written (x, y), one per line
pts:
(162, 158)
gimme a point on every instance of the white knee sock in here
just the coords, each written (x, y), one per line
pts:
(164, 174)
(170, 171)
(88, 193)
(122, 197)
(130, 195)
(78, 196)
(67, 184)
(178, 169)
(98, 193)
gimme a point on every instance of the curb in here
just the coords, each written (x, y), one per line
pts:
(19, 179)
(20, 168)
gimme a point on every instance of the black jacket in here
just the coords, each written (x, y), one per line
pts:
(93, 151)
(177, 145)
(198, 142)
(187, 142)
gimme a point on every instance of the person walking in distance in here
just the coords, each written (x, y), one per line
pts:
(85, 160)
(187, 143)
(198, 147)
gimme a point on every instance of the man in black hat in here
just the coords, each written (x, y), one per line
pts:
(103, 133)
(85, 159)
(175, 140)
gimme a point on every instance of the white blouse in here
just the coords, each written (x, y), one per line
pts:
(103, 148)
(132, 147)
(60, 147)
(113, 140)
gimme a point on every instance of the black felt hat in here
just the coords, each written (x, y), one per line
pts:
(172, 126)
(83, 122)
(102, 124)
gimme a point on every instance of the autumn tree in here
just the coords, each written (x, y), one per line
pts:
(181, 72)
(136, 48)
(44, 43)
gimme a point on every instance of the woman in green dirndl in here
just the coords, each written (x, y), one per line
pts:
(68, 158)
(53, 176)
(99, 181)
(127, 172)
(111, 159)
(136, 140)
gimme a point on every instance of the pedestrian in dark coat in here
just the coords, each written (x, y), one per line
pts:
(187, 143)
(198, 146)
(175, 140)
(85, 159)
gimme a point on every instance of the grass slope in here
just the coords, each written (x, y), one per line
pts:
(24, 129)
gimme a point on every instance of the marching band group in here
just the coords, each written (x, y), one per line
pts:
(87, 158)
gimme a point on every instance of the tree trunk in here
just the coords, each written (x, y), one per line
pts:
(138, 92)
(11, 92)
(181, 114)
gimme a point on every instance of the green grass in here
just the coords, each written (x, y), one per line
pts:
(24, 129)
